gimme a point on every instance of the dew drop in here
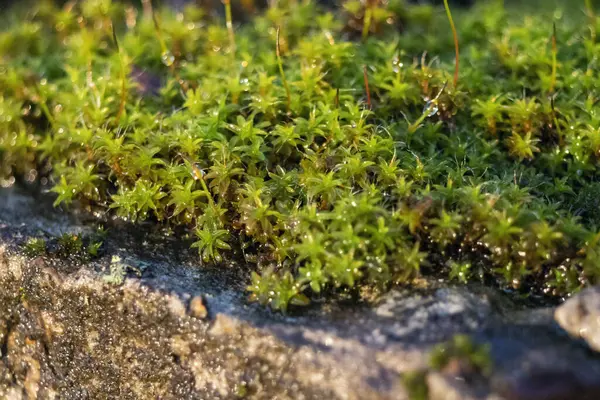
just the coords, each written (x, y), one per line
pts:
(167, 58)
(397, 65)
(431, 108)
(31, 175)
(6, 183)
(197, 172)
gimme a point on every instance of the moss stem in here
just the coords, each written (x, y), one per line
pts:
(147, 7)
(554, 62)
(556, 123)
(44, 106)
(367, 90)
(456, 47)
(281, 72)
(123, 98)
(229, 23)
(592, 17)
(367, 19)
(47, 113)
(429, 110)
(198, 175)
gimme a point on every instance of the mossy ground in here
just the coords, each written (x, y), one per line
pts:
(333, 149)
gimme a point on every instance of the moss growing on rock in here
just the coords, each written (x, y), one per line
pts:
(35, 247)
(68, 246)
(322, 162)
(461, 355)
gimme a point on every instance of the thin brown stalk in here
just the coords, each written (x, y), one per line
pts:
(123, 98)
(148, 10)
(456, 47)
(554, 62)
(166, 56)
(366, 79)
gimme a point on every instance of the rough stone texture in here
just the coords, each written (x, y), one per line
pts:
(580, 316)
(447, 387)
(186, 331)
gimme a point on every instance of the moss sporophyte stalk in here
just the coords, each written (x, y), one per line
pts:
(324, 150)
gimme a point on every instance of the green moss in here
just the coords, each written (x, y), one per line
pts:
(459, 357)
(262, 140)
(35, 247)
(241, 390)
(466, 355)
(415, 383)
(69, 244)
(75, 247)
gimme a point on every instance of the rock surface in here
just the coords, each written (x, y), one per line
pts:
(580, 316)
(185, 331)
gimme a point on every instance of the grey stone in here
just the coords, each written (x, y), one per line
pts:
(65, 332)
(580, 316)
(447, 387)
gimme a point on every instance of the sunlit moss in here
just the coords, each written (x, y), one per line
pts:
(35, 247)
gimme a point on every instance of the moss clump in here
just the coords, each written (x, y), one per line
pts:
(35, 247)
(461, 356)
(458, 358)
(415, 383)
(326, 150)
(75, 247)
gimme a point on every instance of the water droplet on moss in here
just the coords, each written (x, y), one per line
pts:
(167, 58)
(431, 108)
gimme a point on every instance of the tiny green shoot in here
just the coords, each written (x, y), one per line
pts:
(281, 72)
